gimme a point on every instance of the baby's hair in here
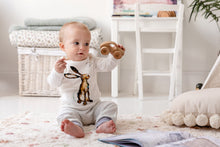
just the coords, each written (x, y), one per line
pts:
(78, 24)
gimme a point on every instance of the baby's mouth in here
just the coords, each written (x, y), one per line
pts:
(80, 54)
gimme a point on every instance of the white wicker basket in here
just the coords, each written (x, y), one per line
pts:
(34, 65)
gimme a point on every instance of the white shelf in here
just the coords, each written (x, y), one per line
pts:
(149, 24)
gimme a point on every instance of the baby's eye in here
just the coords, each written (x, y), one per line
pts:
(86, 44)
(76, 43)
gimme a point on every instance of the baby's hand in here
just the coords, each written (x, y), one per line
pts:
(60, 65)
(121, 46)
(119, 52)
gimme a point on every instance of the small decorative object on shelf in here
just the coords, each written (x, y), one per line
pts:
(166, 14)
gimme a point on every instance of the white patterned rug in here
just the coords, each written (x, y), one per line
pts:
(41, 130)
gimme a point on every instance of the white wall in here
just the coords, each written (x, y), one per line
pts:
(201, 44)
(201, 40)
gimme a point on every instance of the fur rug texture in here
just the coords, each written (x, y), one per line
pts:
(41, 130)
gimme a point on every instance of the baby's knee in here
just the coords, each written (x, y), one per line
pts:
(113, 106)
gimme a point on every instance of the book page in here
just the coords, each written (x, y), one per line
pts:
(148, 138)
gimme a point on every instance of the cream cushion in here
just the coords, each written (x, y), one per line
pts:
(199, 107)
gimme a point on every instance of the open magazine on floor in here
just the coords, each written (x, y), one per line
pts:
(152, 138)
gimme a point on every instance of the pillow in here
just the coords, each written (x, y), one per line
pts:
(199, 107)
(89, 22)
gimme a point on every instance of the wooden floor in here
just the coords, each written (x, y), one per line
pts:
(14, 104)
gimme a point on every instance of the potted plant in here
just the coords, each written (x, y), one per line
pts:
(208, 8)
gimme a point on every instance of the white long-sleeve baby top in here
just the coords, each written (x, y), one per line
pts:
(79, 88)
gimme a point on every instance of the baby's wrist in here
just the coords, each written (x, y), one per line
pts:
(59, 71)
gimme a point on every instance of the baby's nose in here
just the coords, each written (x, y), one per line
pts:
(82, 47)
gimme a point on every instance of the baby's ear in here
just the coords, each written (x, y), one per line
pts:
(62, 46)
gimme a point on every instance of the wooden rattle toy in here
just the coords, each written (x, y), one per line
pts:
(111, 47)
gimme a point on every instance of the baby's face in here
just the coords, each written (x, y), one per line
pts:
(76, 43)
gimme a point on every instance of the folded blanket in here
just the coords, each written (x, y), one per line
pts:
(47, 39)
(34, 28)
(89, 22)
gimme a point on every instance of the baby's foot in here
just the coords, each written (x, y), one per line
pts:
(107, 127)
(70, 128)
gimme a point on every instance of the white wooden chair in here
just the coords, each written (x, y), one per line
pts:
(166, 25)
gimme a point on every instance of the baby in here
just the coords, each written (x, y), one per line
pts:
(75, 75)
